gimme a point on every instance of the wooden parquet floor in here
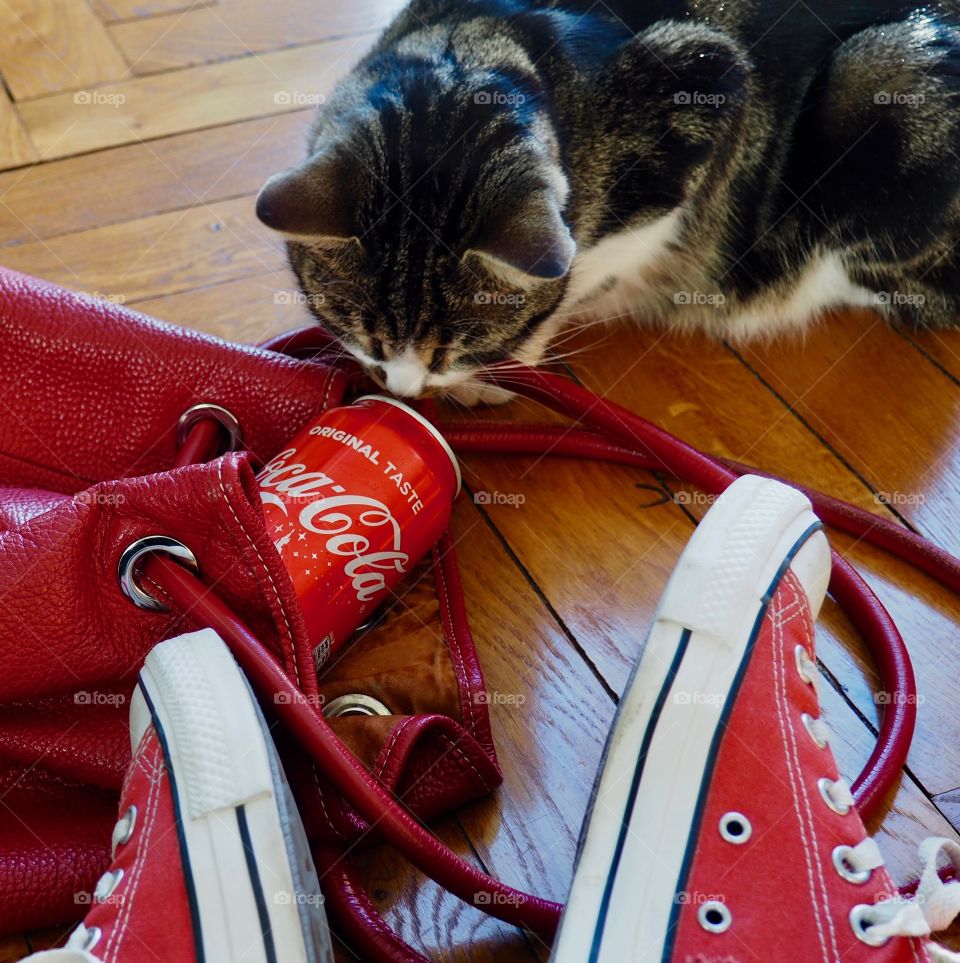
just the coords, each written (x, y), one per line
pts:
(134, 135)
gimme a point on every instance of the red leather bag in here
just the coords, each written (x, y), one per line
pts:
(87, 476)
(90, 463)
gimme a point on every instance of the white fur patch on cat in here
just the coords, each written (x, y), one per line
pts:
(623, 256)
(824, 284)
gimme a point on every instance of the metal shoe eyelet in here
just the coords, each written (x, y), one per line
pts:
(825, 786)
(735, 828)
(862, 922)
(841, 863)
(106, 885)
(714, 916)
(206, 410)
(130, 558)
(806, 667)
(811, 725)
(84, 938)
(354, 704)
(123, 830)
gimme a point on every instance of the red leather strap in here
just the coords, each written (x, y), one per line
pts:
(865, 611)
(575, 442)
(201, 444)
(612, 433)
(357, 918)
(320, 742)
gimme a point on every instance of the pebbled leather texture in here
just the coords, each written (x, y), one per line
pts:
(94, 391)
(54, 843)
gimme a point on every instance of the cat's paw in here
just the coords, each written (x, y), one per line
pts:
(476, 393)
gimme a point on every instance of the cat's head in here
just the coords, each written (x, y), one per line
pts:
(427, 225)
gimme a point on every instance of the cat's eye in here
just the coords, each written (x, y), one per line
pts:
(376, 349)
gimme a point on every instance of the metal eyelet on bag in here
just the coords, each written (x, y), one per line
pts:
(841, 863)
(204, 411)
(127, 567)
(714, 916)
(735, 828)
(861, 922)
(355, 704)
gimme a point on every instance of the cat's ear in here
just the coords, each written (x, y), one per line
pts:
(311, 201)
(527, 242)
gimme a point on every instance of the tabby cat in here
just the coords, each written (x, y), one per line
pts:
(494, 168)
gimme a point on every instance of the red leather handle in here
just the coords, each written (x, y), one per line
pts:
(305, 720)
(613, 433)
(866, 611)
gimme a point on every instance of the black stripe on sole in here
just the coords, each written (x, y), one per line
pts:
(265, 929)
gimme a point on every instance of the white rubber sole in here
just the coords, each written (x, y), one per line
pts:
(645, 802)
(255, 893)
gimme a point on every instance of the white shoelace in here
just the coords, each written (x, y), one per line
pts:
(933, 908)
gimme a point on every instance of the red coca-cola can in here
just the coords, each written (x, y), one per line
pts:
(353, 503)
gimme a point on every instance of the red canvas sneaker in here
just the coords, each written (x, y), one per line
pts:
(210, 859)
(720, 830)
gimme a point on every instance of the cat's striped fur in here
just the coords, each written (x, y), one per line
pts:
(494, 167)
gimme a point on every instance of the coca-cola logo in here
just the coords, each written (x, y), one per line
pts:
(339, 516)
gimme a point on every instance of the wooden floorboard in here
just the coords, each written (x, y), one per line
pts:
(157, 121)
(52, 45)
(118, 11)
(149, 107)
(16, 148)
(236, 28)
(68, 196)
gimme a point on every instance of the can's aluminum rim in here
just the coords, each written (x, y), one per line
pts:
(444, 444)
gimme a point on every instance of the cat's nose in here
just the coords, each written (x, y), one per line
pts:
(406, 374)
